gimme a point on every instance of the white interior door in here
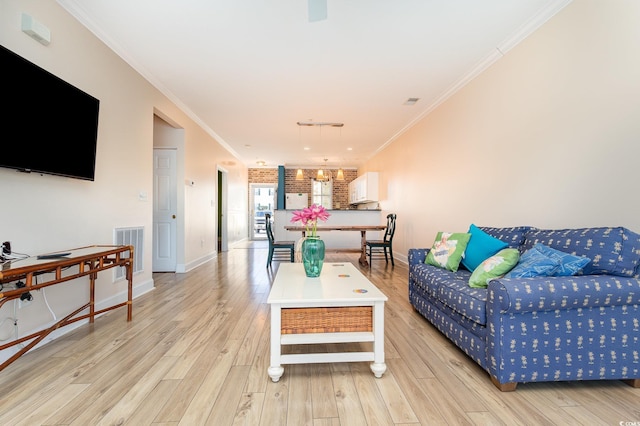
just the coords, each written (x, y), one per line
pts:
(164, 210)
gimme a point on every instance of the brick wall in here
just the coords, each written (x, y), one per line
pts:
(263, 176)
(340, 187)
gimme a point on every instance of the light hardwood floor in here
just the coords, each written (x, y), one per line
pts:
(197, 352)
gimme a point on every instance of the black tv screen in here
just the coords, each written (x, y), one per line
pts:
(54, 124)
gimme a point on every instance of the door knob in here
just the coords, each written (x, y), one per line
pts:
(173, 216)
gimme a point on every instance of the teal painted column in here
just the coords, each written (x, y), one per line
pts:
(281, 195)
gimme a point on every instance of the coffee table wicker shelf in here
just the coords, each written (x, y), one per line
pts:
(326, 320)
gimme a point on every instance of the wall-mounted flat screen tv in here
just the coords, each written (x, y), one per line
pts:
(53, 125)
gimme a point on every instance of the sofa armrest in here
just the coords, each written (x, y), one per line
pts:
(562, 328)
(417, 255)
(562, 293)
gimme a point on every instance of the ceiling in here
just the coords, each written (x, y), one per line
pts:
(249, 70)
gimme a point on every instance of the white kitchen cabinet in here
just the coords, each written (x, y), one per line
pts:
(364, 189)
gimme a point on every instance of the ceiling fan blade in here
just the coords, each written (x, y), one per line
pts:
(317, 10)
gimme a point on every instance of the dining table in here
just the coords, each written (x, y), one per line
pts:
(360, 228)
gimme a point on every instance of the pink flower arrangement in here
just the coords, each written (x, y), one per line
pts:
(309, 217)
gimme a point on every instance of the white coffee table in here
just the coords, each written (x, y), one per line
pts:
(340, 290)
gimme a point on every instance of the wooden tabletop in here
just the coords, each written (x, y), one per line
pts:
(363, 234)
(339, 228)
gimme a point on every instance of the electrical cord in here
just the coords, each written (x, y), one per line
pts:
(14, 320)
(25, 296)
(6, 254)
(46, 302)
(15, 324)
(14, 255)
(5, 257)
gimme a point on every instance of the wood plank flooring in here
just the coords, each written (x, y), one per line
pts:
(197, 352)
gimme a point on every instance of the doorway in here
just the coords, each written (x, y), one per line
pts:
(222, 210)
(262, 201)
(165, 210)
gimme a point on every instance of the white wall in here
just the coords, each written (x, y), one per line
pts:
(42, 213)
(548, 136)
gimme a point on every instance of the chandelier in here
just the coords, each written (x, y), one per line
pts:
(323, 174)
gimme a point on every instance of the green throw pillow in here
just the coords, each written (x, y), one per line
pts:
(494, 267)
(447, 250)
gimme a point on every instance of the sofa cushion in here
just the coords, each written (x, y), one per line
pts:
(467, 301)
(534, 263)
(451, 289)
(428, 278)
(447, 250)
(469, 336)
(494, 267)
(569, 264)
(481, 246)
(614, 251)
(513, 236)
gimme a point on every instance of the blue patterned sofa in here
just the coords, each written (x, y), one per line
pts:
(582, 327)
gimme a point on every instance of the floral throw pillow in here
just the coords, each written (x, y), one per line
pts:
(447, 250)
(494, 267)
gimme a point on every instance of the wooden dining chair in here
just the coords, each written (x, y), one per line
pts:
(278, 250)
(383, 247)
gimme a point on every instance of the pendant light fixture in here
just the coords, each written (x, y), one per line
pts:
(323, 174)
(299, 173)
(340, 175)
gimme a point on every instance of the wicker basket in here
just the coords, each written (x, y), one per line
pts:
(326, 320)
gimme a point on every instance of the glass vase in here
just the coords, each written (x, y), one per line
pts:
(313, 256)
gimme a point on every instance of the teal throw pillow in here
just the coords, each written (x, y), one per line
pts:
(494, 267)
(481, 246)
(447, 250)
(533, 263)
(569, 264)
